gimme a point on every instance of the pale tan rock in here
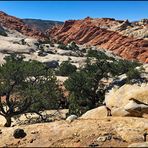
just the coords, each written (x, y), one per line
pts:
(143, 144)
(136, 108)
(119, 112)
(96, 113)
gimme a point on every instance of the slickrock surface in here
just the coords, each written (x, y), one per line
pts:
(107, 131)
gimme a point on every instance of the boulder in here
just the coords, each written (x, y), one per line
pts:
(145, 66)
(95, 113)
(119, 112)
(52, 64)
(104, 137)
(136, 108)
(71, 118)
(19, 133)
(120, 103)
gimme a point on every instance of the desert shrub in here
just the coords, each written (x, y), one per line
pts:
(92, 53)
(98, 55)
(133, 74)
(2, 32)
(120, 66)
(66, 68)
(73, 46)
(62, 46)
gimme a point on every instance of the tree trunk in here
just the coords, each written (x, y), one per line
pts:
(8, 122)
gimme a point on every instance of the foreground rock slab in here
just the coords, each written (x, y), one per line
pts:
(120, 131)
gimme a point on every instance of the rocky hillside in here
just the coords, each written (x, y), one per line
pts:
(41, 25)
(29, 27)
(17, 24)
(107, 34)
(126, 39)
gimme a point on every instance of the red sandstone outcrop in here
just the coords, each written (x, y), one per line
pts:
(98, 32)
(14, 23)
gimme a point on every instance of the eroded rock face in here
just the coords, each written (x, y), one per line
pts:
(14, 23)
(99, 32)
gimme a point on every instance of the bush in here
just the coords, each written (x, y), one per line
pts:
(132, 74)
(119, 67)
(73, 46)
(98, 55)
(2, 32)
(62, 46)
(92, 53)
(47, 41)
(66, 68)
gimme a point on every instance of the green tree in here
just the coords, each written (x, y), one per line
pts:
(133, 74)
(66, 68)
(25, 87)
(2, 31)
(62, 46)
(86, 88)
(98, 55)
(73, 46)
(120, 66)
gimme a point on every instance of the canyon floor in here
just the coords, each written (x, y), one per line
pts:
(121, 132)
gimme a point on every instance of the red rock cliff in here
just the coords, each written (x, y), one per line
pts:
(98, 32)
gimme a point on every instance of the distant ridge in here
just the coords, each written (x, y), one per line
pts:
(41, 25)
(30, 27)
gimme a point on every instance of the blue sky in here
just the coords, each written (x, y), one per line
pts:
(64, 10)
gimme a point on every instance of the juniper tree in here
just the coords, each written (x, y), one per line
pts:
(25, 86)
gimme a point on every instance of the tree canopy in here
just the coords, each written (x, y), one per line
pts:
(26, 86)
